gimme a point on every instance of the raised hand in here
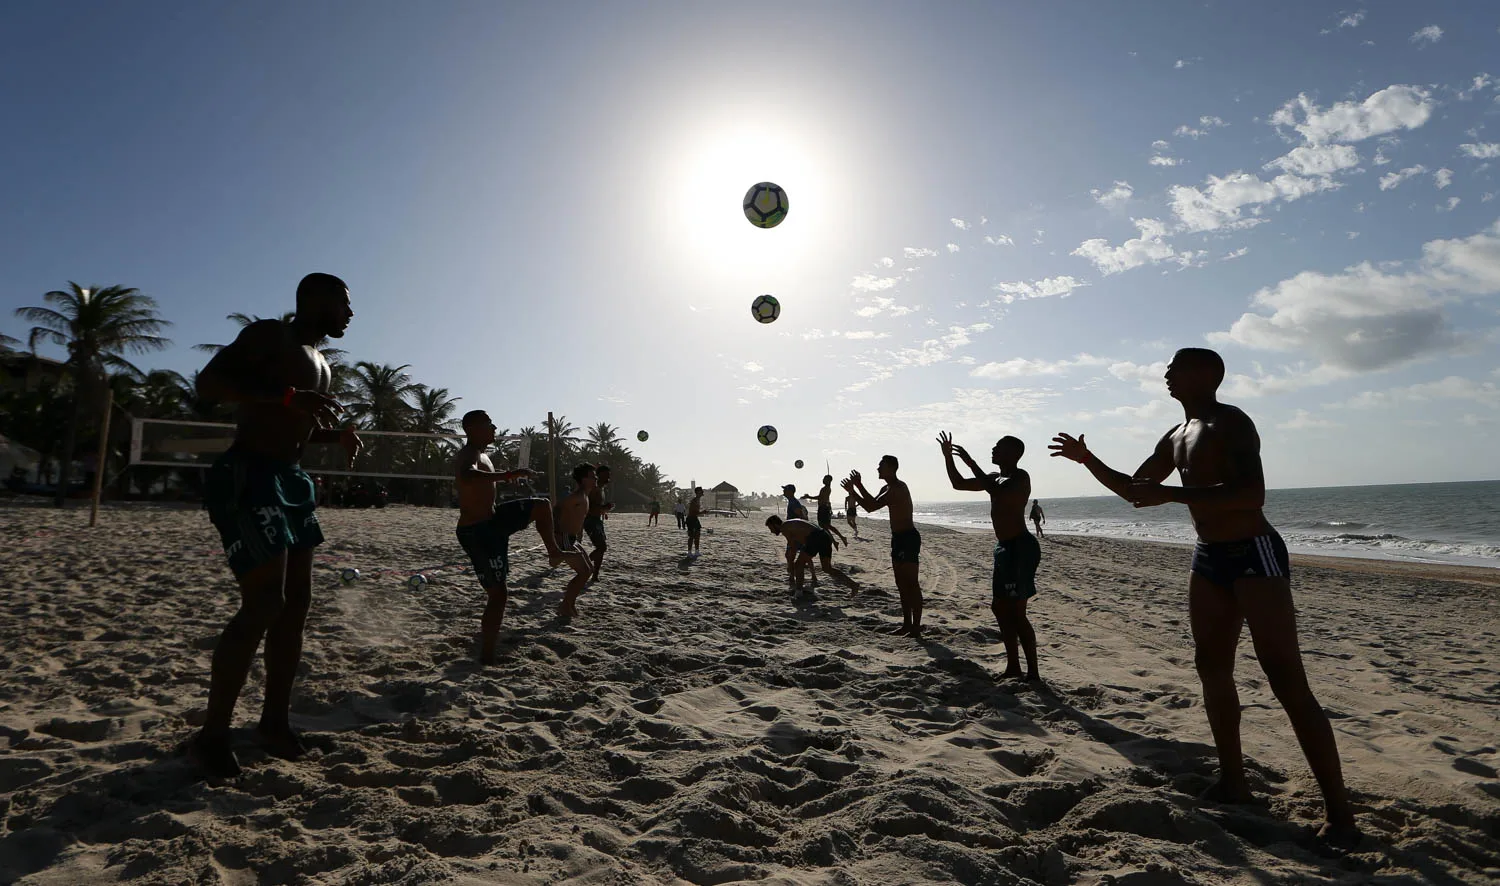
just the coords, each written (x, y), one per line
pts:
(1066, 446)
(945, 442)
(963, 454)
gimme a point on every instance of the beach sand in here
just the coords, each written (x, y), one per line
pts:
(694, 725)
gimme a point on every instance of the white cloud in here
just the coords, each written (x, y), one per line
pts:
(1453, 387)
(952, 248)
(1352, 20)
(1294, 378)
(959, 223)
(887, 262)
(865, 335)
(1219, 204)
(1370, 318)
(1380, 158)
(1160, 145)
(1485, 151)
(1427, 36)
(1352, 235)
(752, 366)
(1305, 420)
(1060, 286)
(1149, 248)
(1316, 160)
(1020, 367)
(1479, 84)
(1159, 160)
(769, 388)
(1115, 198)
(1442, 178)
(1390, 109)
(880, 305)
(1205, 124)
(1238, 253)
(1392, 179)
(1486, 197)
(1185, 62)
(968, 412)
(872, 283)
(918, 252)
(1451, 205)
(983, 220)
(1001, 240)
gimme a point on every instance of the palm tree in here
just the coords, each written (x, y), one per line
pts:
(604, 440)
(97, 327)
(432, 413)
(565, 433)
(378, 395)
(8, 344)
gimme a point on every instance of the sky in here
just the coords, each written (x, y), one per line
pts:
(1005, 217)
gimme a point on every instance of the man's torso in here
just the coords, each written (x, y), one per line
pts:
(272, 429)
(1202, 450)
(898, 503)
(1008, 504)
(476, 498)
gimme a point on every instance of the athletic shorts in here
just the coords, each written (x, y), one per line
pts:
(694, 525)
(818, 544)
(906, 546)
(488, 542)
(593, 527)
(1263, 556)
(261, 506)
(825, 514)
(1016, 560)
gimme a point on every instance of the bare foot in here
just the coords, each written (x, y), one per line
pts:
(1009, 674)
(1340, 835)
(214, 754)
(1223, 792)
(281, 741)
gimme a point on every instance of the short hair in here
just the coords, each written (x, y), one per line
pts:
(895, 462)
(698, 490)
(1206, 359)
(603, 469)
(473, 415)
(315, 286)
(1014, 443)
(827, 478)
(773, 521)
(582, 471)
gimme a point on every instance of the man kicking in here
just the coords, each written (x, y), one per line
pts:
(694, 524)
(573, 514)
(812, 541)
(824, 499)
(1017, 553)
(484, 530)
(906, 541)
(599, 510)
(1240, 574)
(263, 505)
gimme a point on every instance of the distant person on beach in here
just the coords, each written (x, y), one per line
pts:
(795, 510)
(1017, 554)
(655, 518)
(824, 499)
(572, 517)
(906, 541)
(812, 541)
(598, 512)
(264, 507)
(484, 530)
(694, 524)
(680, 510)
(1038, 517)
(1240, 574)
(851, 512)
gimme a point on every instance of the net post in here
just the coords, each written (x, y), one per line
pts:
(109, 404)
(551, 460)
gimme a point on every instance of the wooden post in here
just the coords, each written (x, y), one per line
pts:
(551, 460)
(109, 405)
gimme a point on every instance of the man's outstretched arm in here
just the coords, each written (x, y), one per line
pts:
(1153, 469)
(856, 488)
(1244, 487)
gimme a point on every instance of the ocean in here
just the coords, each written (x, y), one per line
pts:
(1422, 522)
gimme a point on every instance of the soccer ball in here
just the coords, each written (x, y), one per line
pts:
(416, 582)
(642, 436)
(766, 205)
(765, 308)
(349, 576)
(766, 435)
(798, 464)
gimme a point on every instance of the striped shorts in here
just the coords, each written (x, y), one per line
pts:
(1221, 562)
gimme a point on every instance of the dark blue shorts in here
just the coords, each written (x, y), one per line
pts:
(906, 547)
(818, 544)
(1016, 562)
(488, 543)
(1263, 556)
(593, 527)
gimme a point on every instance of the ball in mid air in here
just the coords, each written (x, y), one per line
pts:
(766, 435)
(642, 436)
(765, 309)
(349, 576)
(416, 582)
(766, 205)
(798, 464)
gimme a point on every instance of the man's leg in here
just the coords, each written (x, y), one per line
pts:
(283, 654)
(1005, 618)
(1272, 617)
(911, 593)
(583, 570)
(261, 600)
(1216, 619)
(541, 512)
(1027, 636)
(829, 527)
(491, 621)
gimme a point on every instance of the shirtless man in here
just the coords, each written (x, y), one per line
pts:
(695, 525)
(1038, 517)
(851, 511)
(263, 505)
(599, 510)
(906, 542)
(824, 498)
(573, 515)
(484, 530)
(1240, 574)
(812, 541)
(1017, 553)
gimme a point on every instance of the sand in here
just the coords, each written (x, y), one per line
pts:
(694, 725)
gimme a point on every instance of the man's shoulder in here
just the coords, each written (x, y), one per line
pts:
(1232, 418)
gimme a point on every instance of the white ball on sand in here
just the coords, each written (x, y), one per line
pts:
(349, 575)
(416, 582)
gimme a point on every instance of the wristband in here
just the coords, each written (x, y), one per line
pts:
(286, 398)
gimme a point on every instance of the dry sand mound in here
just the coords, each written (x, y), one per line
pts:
(695, 725)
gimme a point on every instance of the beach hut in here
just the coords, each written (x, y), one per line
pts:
(726, 497)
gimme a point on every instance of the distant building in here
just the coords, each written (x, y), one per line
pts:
(23, 371)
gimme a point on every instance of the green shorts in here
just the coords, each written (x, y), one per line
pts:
(262, 507)
(1016, 560)
(488, 542)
